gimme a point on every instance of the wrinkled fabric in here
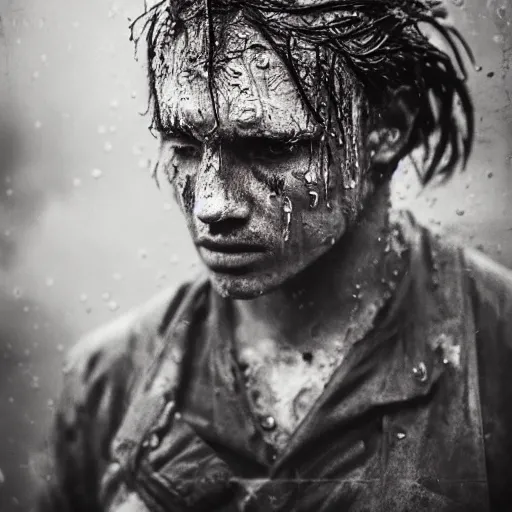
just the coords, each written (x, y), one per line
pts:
(153, 415)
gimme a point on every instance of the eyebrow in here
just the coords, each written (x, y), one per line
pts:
(278, 136)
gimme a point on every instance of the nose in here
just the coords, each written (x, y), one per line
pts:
(218, 194)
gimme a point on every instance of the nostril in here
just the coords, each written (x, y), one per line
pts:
(226, 226)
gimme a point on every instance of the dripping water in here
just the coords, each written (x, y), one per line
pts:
(287, 210)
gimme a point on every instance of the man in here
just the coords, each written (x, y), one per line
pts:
(335, 356)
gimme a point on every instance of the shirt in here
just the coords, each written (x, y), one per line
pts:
(153, 415)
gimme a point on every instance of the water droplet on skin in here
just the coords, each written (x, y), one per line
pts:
(83, 297)
(287, 210)
(11, 400)
(498, 39)
(9, 192)
(310, 178)
(458, 3)
(35, 75)
(263, 61)
(459, 212)
(268, 423)
(143, 254)
(49, 281)
(134, 94)
(102, 129)
(107, 147)
(96, 174)
(17, 293)
(105, 296)
(478, 69)
(114, 104)
(167, 207)
(313, 199)
(112, 128)
(38, 125)
(77, 182)
(490, 175)
(400, 435)
(420, 372)
(116, 276)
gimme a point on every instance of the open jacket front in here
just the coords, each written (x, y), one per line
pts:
(153, 416)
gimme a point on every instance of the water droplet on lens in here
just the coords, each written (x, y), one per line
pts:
(113, 305)
(96, 173)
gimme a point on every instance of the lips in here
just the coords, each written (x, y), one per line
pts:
(230, 255)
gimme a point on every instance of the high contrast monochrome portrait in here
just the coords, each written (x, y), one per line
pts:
(332, 353)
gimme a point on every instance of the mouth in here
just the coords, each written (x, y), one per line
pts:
(230, 257)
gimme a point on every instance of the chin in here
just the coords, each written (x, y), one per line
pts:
(244, 287)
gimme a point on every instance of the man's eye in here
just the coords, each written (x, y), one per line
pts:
(268, 149)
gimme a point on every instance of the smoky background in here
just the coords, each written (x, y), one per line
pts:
(85, 234)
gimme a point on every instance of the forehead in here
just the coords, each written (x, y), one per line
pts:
(253, 89)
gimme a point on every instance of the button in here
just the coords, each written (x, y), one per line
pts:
(268, 423)
(420, 372)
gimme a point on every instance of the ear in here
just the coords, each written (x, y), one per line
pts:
(388, 142)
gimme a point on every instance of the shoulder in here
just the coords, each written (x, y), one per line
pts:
(492, 281)
(490, 285)
(114, 354)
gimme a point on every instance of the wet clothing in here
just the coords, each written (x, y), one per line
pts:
(418, 416)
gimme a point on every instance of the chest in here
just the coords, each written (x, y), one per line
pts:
(282, 385)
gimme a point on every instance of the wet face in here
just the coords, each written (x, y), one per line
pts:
(260, 201)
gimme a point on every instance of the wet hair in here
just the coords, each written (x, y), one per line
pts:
(382, 42)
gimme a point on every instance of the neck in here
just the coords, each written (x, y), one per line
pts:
(333, 301)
